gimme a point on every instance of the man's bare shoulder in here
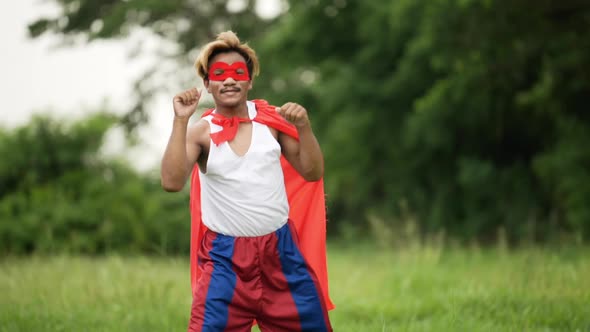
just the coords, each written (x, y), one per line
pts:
(200, 124)
(199, 131)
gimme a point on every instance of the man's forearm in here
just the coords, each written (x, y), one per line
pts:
(310, 154)
(175, 165)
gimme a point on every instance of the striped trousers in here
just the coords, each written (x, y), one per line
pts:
(262, 279)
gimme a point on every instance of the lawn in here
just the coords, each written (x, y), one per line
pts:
(407, 290)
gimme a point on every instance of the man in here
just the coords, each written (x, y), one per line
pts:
(248, 262)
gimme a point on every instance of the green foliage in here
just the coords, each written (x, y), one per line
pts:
(468, 114)
(58, 194)
(471, 114)
(188, 23)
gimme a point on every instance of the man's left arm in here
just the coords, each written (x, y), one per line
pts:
(304, 155)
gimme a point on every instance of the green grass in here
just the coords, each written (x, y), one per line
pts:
(411, 290)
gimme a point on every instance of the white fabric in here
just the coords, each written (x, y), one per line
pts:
(244, 195)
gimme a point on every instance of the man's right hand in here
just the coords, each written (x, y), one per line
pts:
(185, 103)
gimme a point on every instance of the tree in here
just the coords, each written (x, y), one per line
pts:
(468, 114)
(58, 193)
(471, 114)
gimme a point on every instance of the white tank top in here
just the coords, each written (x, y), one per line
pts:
(244, 195)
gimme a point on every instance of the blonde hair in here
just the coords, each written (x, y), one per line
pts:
(227, 41)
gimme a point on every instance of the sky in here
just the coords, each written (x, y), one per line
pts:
(38, 76)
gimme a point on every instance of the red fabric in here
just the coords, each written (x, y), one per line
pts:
(306, 203)
(265, 114)
(220, 71)
(277, 319)
(324, 302)
(229, 128)
(234, 271)
(200, 293)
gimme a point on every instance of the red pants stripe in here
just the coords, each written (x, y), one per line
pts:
(263, 279)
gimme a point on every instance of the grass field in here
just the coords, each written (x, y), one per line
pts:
(410, 290)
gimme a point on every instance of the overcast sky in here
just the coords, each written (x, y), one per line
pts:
(36, 76)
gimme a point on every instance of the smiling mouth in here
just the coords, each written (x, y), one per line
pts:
(230, 90)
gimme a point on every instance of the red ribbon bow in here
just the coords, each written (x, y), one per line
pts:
(265, 114)
(229, 128)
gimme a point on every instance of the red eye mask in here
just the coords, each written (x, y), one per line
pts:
(219, 71)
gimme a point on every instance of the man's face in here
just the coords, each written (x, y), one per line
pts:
(228, 79)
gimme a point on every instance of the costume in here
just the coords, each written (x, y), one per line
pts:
(304, 234)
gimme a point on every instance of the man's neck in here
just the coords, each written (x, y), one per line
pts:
(241, 110)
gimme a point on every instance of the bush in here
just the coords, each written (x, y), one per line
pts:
(58, 195)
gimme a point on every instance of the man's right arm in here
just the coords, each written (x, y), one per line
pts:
(183, 147)
(180, 156)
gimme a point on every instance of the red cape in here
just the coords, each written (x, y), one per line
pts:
(306, 203)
